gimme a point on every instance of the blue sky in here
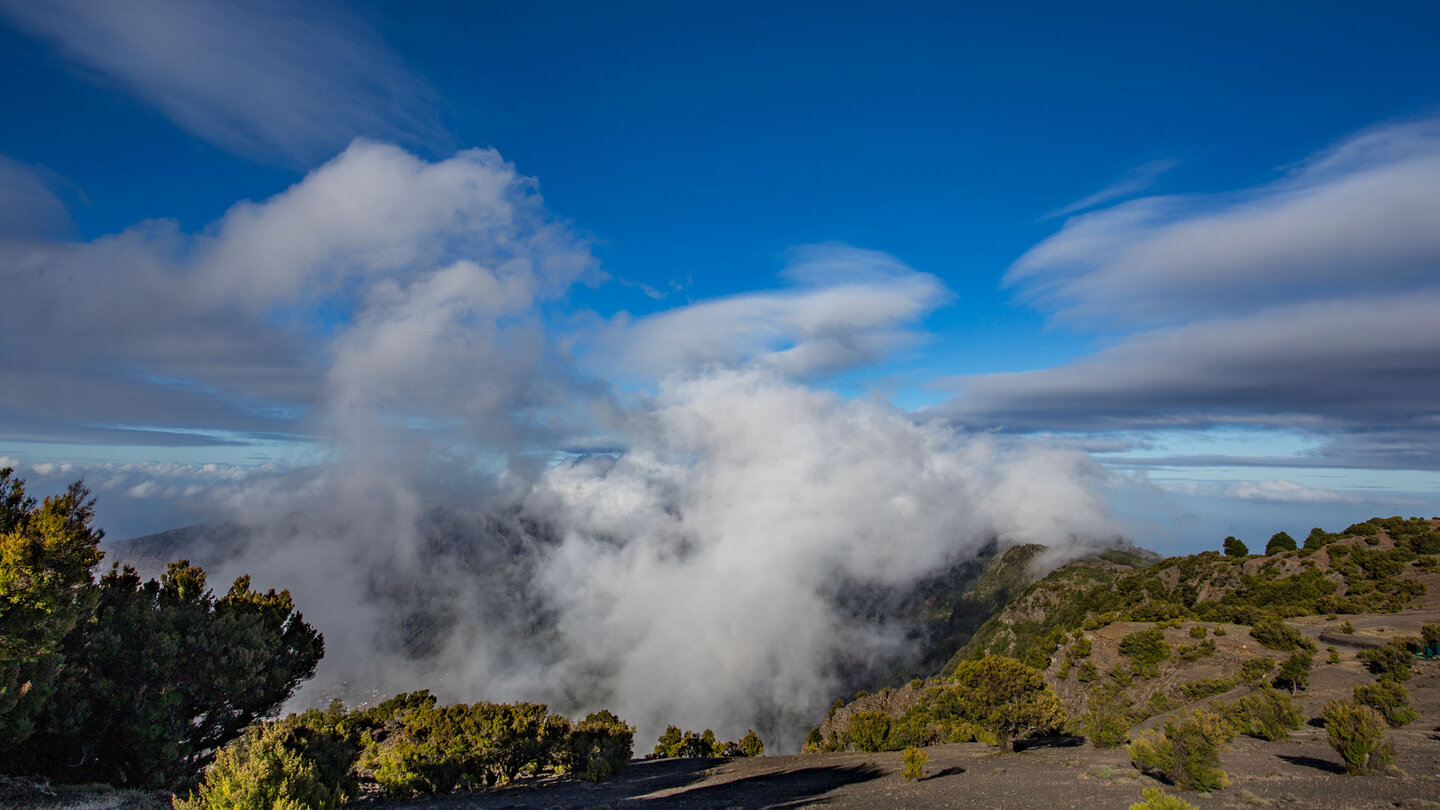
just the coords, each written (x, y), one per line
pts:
(1206, 234)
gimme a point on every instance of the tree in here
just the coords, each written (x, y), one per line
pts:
(1295, 670)
(1318, 538)
(1280, 541)
(1235, 548)
(1006, 698)
(750, 744)
(165, 674)
(46, 590)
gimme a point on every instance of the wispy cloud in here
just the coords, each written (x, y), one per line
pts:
(287, 82)
(1134, 181)
(1279, 491)
(29, 207)
(845, 307)
(1309, 303)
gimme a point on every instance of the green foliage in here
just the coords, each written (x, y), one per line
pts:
(1266, 714)
(1319, 538)
(1277, 635)
(1107, 717)
(1158, 703)
(1198, 631)
(1087, 672)
(46, 590)
(595, 748)
(300, 763)
(1295, 670)
(164, 674)
(1235, 548)
(1157, 799)
(1194, 652)
(1357, 733)
(1390, 662)
(1005, 697)
(914, 760)
(1255, 670)
(1430, 634)
(1391, 699)
(1146, 649)
(1206, 687)
(1280, 541)
(750, 744)
(1347, 628)
(868, 730)
(1187, 753)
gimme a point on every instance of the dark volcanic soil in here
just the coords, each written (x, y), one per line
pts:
(1301, 773)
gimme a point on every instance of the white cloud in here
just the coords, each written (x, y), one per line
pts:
(849, 307)
(1278, 491)
(1359, 218)
(265, 78)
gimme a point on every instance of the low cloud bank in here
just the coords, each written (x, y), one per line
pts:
(701, 570)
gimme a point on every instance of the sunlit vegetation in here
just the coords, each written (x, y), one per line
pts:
(1187, 752)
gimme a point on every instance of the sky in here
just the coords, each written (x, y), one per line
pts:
(1196, 245)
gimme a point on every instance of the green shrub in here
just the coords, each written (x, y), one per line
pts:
(1107, 717)
(1187, 753)
(1005, 698)
(868, 730)
(1391, 662)
(1430, 634)
(1391, 699)
(1146, 649)
(750, 744)
(1220, 631)
(276, 766)
(1205, 687)
(1277, 635)
(1198, 631)
(1087, 672)
(1255, 670)
(1347, 628)
(1194, 652)
(599, 746)
(1267, 714)
(914, 760)
(1357, 733)
(1157, 799)
(1234, 548)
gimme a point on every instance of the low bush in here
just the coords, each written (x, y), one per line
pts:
(1391, 699)
(1206, 687)
(868, 730)
(1146, 649)
(1107, 718)
(1277, 635)
(1187, 753)
(1357, 733)
(1157, 799)
(1255, 670)
(1267, 714)
(1198, 631)
(1390, 662)
(599, 747)
(1194, 652)
(914, 760)
(277, 766)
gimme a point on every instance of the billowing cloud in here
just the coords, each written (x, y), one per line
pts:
(1307, 304)
(286, 81)
(127, 338)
